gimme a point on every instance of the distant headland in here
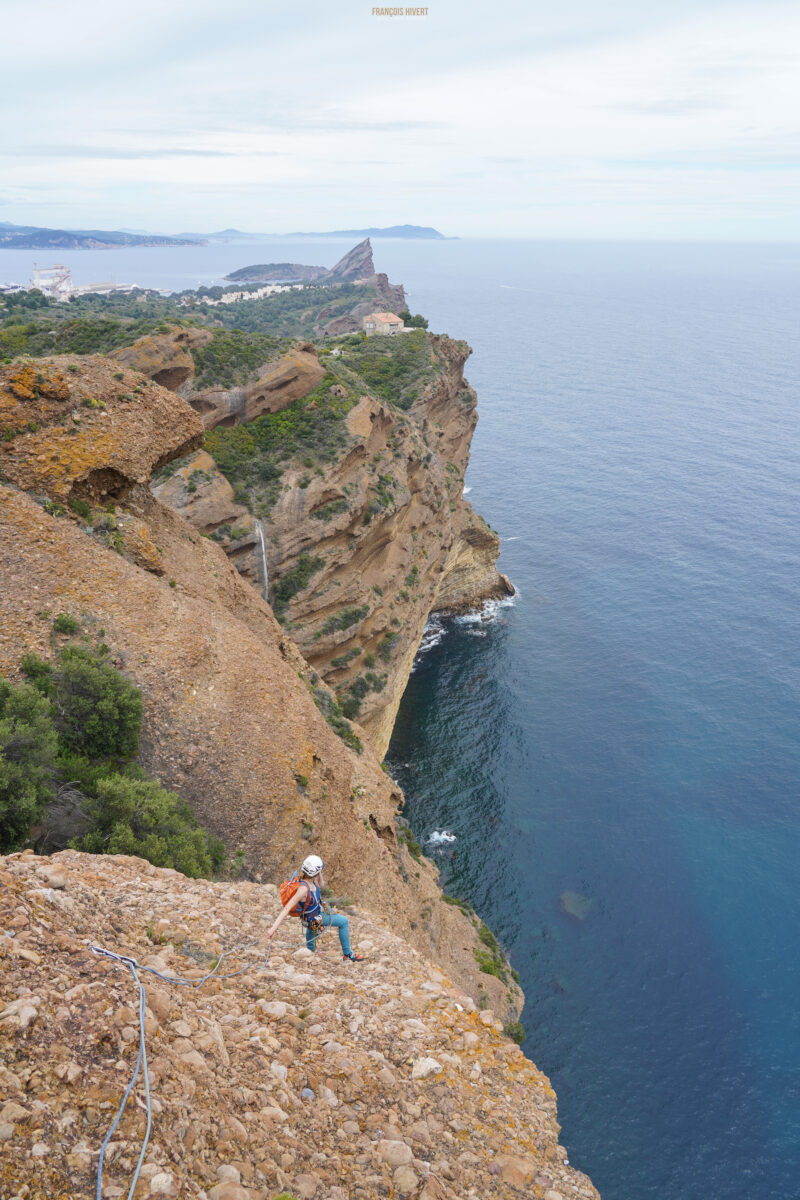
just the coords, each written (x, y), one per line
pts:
(34, 237)
(391, 231)
(37, 237)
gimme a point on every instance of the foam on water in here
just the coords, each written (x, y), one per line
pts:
(440, 837)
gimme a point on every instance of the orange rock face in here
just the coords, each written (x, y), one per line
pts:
(164, 357)
(111, 436)
(231, 723)
(289, 377)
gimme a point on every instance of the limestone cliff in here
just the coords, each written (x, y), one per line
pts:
(321, 1078)
(234, 716)
(384, 526)
(166, 359)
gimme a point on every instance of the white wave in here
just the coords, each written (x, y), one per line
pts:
(515, 538)
(432, 634)
(470, 618)
(441, 837)
(489, 611)
(492, 608)
(466, 491)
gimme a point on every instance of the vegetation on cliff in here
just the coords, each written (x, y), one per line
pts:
(394, 368)
(233, 357)
(68, 738)
(253, 457)
(31, 323)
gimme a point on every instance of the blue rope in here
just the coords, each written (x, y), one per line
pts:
(135, 967)
(141, 1061)
(131, 964)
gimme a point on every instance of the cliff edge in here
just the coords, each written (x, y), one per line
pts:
(236, 721)
(326, 1079)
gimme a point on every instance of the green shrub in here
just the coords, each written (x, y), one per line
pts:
(39, 673)
(344, 619)
(329, 511)
(233, 357)
(65, 623)
(28, 748)
(80, 507)
(138, 817)
(492, 960)
(253, 456)
(516, 1031)
(98, 711)
(343, 660)
(407, 839)
(293, 581)
(333, 715)
(394, 368)
(415, 322)
(386, 645)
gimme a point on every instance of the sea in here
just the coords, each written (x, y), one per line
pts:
(608, 766)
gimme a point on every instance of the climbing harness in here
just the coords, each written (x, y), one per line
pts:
(311, 911)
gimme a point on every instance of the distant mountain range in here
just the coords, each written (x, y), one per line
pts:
(391, 231)
(35, 237)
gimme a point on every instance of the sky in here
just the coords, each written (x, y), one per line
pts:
(665, 119)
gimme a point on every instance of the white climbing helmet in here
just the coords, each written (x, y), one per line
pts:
(313, 865)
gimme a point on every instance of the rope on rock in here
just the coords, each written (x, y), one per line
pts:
(141, 1061)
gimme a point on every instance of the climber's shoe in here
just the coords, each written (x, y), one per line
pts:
(353, 957)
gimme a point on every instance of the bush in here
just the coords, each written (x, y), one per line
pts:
(253, 457)
(65, 623)
(516, 1031)
(394, 368)
(415, 322)
(138, 817)
(386, 645)
(233, 357)
(80, 507)
(98, 711)
(333, 715)
(344, 619)
(294, 581)
(28, 748)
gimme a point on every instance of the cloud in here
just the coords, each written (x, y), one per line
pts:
(119, 152)
(678, 106)
(567, 120)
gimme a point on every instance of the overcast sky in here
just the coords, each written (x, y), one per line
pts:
(648, 119)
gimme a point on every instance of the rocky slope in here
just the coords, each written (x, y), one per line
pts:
(233, 714)
(326, 1079)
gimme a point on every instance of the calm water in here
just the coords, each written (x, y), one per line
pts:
(628, 729)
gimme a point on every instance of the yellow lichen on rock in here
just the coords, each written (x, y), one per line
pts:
(26, 383)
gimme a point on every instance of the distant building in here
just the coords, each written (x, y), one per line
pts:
(55, 282)
(382, 322)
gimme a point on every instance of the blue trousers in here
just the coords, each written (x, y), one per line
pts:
(340, 922)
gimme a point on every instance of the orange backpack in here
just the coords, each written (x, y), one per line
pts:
(288, 889)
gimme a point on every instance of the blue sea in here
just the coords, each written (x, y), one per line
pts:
(622, 740)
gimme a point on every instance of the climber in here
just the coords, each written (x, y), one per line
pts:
(302, 899)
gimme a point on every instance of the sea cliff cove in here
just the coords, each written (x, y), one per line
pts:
(224, 531)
